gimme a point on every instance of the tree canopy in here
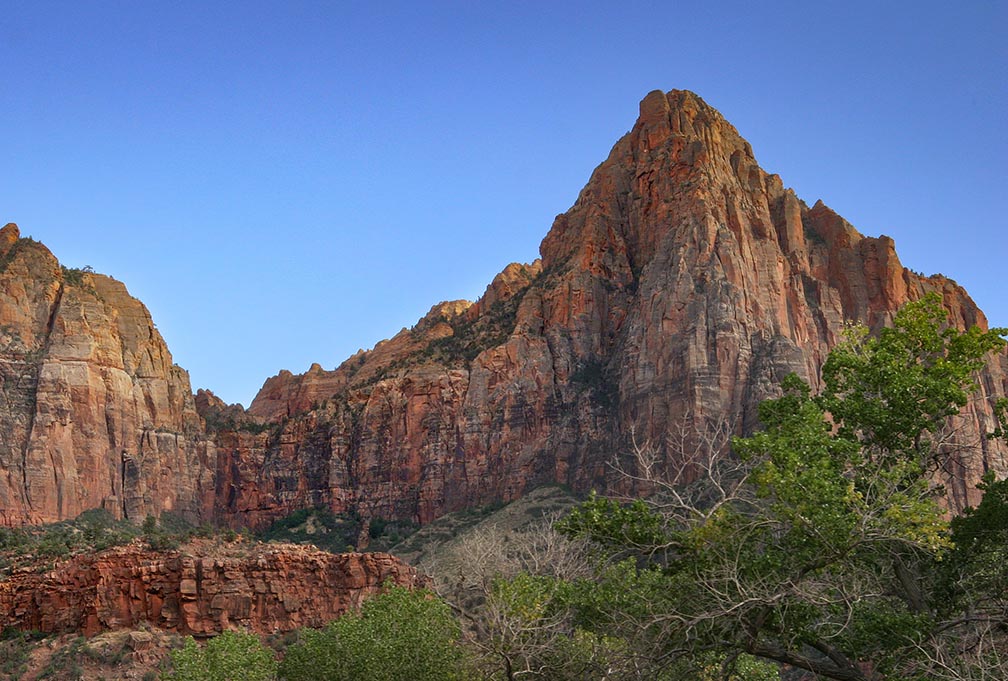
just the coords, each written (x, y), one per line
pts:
(824, 545)
(397, 635)
(229, 656)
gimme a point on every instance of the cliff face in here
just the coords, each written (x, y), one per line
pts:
(681, 287)
(203, 590)
(684, 284)
(93, 413)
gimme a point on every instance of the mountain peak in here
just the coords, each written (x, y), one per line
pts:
(679, 113)
(654, 107)
(658, 103)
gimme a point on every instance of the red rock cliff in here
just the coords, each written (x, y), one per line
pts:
(685, 282)
(93, 413)
(202, 590)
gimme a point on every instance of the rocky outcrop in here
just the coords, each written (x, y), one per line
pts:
(202, 590)
(684, 284)
(93, 413)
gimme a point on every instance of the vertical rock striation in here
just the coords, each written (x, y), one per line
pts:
(94, 413)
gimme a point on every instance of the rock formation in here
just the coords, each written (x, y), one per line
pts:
(682, 286)
(93, 413)
(684, 283)
(202, 590)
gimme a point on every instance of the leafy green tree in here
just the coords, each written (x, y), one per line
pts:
(980, 556)
(970, 595)
(817, 548)
(399, 635)
(231, 656)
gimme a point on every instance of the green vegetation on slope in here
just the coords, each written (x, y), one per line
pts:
(335, 532)
(471, 337)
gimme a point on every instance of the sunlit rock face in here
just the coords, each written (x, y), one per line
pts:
(93, 413)
(684, 284)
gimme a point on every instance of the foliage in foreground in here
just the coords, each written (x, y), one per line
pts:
(229, 656)
(825, 547)
(398, 635)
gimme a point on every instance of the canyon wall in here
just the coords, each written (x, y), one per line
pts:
(93, 413)
(680, 288)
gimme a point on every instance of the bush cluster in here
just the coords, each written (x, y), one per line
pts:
(397, 635)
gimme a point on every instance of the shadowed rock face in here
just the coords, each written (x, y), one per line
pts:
(684, 283)
(682, 286)
(202, 590)
(93, 413)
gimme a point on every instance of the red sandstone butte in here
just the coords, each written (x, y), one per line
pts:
(93, 412)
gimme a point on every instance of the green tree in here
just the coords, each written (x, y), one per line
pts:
(399, 635)
(818, 546)
(970, 595)
(231, 656)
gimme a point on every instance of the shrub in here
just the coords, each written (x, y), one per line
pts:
(229, 656)
(397, 635)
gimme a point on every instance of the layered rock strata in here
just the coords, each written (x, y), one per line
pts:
(202, 590)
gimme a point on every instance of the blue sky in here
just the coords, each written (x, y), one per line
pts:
(284, 183)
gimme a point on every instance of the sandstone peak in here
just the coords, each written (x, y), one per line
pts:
(511, 281)
(206, 399)
(677, 113)
(654, 106)
(686, 281)
(657, 104)
(682, 286)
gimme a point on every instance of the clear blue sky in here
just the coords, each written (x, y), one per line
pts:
(283, 183)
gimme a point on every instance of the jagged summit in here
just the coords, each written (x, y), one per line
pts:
(682, 111)
(685, 282)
